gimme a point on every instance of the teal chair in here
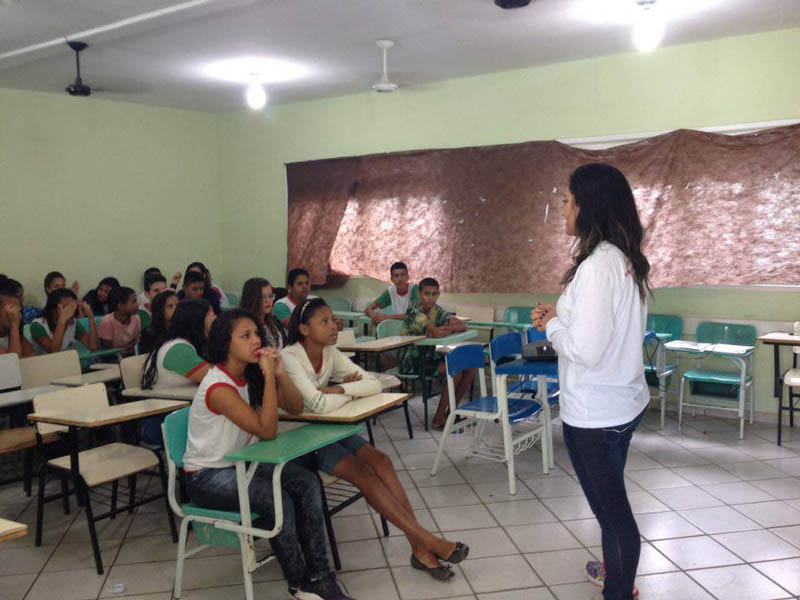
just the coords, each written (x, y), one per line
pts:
(660, 376)
(339, 303)
(391, 328)
(204, 521)
(145, 318)
(721, 388)
(233, 299)
(517, 314)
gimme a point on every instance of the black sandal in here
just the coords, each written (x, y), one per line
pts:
(440, 572)
(460, 553)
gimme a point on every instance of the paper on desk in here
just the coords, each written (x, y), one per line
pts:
(706, 347)
(732, 348)
(687, 345)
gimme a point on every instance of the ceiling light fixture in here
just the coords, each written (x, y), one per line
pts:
(648, 31)
(256, 95)
(266, 70)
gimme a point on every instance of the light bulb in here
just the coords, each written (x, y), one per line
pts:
(256, 96)
(648, 30)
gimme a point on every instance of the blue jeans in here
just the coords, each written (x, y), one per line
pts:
(300, 546)
(599, 456)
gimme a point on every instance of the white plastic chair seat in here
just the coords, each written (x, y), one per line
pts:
(111, 462)
(792, 378)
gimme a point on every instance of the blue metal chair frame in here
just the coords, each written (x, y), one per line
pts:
(486, 409)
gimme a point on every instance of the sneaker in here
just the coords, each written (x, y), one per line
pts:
(324, 589)
(596, 574)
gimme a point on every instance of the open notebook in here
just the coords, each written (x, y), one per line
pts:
(706, 347)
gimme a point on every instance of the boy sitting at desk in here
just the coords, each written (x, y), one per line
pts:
(429, 319)
(397, 297)
(298, 286)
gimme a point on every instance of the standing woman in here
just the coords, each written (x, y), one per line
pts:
(597, 327)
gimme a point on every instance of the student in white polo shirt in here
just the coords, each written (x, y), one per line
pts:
(298, 286)
(395, 300)
(223, 418)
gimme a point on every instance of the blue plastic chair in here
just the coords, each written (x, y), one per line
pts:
(204, 521)
(488, 409)
(721, 387)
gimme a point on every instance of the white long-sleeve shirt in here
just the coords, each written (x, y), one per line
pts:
(598, 335)
(335, 365)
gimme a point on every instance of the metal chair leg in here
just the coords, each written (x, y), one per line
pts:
(131, 492)
(40, 507)
(178, 591)
(28, 475)
(65, 494)
(337, 562)
(170, 517)
(114, 492)
(408, 420)
(98, 560)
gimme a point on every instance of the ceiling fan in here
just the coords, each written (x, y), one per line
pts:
(78, 88)
(384, 85)
(114, 85)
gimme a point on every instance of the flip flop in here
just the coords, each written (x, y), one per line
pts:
(440, 572)
(460, 553)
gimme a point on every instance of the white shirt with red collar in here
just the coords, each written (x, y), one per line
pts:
(211, 434)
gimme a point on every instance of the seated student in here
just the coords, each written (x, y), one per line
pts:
(11, 338)
(223, 418)
(98, 297)
(163, 307)
(121, 328)
(298, 287)
(144, 299)
(178, 358)
(57, 329)
(29, 313)
(212, 293)
(154, 284)
(312, 360)
(194, 286)
(397, 297)
(429, 319)
(56, 281)
(257, 299)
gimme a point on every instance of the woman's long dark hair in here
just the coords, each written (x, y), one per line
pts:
(301, 315)
(188, 323)
(607, 213)
(157, 321)
(251, 301)
(219, 346)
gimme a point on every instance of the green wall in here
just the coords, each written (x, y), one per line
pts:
(91, 187)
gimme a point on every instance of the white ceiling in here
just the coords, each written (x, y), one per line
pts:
(160, 61)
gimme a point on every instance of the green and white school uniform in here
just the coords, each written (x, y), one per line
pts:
(177, 361)
(397, 304)
(40, 329)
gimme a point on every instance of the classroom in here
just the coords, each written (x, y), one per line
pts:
(399, 299)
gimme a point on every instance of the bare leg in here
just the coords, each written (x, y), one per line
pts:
(464, 383)
(361, 474)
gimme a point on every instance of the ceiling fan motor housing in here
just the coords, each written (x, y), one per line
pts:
(509, 4)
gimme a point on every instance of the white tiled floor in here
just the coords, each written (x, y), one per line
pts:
(719, 517)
